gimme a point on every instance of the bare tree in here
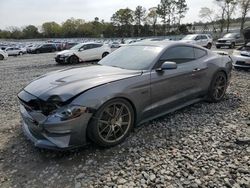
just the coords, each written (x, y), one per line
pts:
(244, 6)
(139, 16)
(227, 7)
(208, 14)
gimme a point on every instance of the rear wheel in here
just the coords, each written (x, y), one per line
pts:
(73, 59)
(209, 46)
(112, 123)
(1, 57)
(232, 45)
(105, 54)
(218, 87)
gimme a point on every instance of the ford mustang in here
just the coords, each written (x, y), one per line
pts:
(104, 102)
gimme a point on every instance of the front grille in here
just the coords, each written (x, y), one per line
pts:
(240, 63)
(222, 41)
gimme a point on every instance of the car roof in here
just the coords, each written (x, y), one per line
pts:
(162, 44)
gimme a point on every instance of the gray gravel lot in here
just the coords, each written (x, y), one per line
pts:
(204, 145)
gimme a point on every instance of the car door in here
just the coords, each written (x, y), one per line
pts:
(204, 40)
(85, 53)
(9, 51)
(198, 40)
(239, 39)
(171, 88)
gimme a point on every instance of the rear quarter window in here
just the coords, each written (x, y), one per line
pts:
(199, 53)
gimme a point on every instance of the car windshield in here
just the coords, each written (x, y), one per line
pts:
(189, 37)
(77, 47)
(230, 35)
(132, 57)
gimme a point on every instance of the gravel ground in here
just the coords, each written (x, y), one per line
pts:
(204, 145)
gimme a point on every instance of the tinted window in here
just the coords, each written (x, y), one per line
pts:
(180, 54)
(204, 37)
(97, 45)
(199, 53)
(132, 57)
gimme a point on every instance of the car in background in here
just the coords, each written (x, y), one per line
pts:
(241, 57)
(43, 48)
(230, 40)
(83, 52)
(68, 45)
(104, 102)
(204, 40)
(3, 55)
(14, 51)
(115, 45)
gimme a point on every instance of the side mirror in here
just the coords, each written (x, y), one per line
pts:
(168, 65)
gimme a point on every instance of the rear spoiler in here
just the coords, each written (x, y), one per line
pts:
(222, 53)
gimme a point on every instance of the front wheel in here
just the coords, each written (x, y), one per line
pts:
(112, 123)
(218, 87)
(105, 54)
(232, 45)
(1, 57)
(73, 59)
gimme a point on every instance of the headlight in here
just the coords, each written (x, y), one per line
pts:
(70, 112)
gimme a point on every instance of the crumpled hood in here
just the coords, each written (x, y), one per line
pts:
(68, 83)
(66, 52)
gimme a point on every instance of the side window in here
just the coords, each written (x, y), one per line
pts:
(180, 54)
(204, 37)
(198, 37)
(199, 53)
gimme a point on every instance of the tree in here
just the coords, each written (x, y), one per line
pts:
(244, 6)
(181, 9)
(139, 16)
(51, 29)
(164, 11)
(152, 18)
(207, 14)
(30, 31)
(228, 8)
(123, 19)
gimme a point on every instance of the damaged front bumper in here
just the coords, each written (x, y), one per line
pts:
(51, 132)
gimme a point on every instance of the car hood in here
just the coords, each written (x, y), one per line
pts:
(230, 39)
(68, 83)
(188, 41)
(66, 52)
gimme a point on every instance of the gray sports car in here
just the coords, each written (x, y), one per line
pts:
(104, 102)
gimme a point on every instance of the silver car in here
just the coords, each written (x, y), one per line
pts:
(104, 102)
(241, 57)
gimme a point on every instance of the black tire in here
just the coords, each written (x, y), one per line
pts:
(218, 47)
(73, 59)
(209, 46)
(105, 54)
(218, 87)
(112, 123)
(1, 57)
(232, 46)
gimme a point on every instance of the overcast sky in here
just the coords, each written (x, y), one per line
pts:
(24, 12)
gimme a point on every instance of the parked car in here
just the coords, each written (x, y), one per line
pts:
(241, 57)
(3, 55)
(115, 45)
(83, 52)
(204, 40)
(43, 48)
(68, 45)
(14, 51)
(136, 83)
(230, 40)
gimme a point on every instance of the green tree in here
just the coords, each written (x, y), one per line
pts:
(51, 29)
(152, 18)
(123, 19)
(181, 9)
(139, 16)
(30, 31)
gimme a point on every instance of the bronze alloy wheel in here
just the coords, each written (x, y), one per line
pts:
(218, 87)
(112, 124)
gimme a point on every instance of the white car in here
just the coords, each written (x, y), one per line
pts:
(241, 57)
(83, 52)
(14, 51)
(204, 40)
(3, 55)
